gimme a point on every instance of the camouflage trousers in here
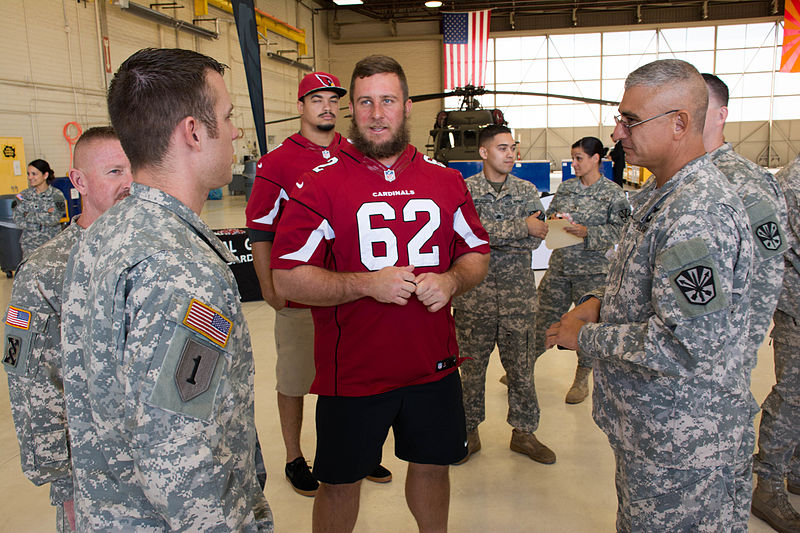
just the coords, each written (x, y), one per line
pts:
(477, 335)
(653, 498)
(556, 294)
(779, 433)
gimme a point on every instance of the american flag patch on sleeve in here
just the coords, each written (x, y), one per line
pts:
(19, 318)
(208, 322)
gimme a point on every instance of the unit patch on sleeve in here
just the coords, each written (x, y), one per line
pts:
(13, 346)
(769, 235)
(19, 318)
(697, 284)
(195, 369)
(208, 322)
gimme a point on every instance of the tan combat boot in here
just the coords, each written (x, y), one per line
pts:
(528, 444)
(580, 387)
(793, 485)
(771, 504)
(473, 445)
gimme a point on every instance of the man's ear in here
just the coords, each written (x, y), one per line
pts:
(78, 180)
(189, 131)
(681, 123)
(483, 152)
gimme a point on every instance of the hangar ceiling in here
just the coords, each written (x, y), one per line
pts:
(510, 15)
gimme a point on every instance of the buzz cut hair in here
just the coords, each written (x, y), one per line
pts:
(152, 92)
(96, 133)
(717, 88)
(674, 73)
(489, 132)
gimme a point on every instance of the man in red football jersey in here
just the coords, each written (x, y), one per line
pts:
(277, 174)
(381, 238)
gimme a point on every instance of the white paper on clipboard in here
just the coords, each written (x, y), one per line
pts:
(557, 237)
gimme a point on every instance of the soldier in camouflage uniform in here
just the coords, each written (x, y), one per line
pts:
(598, 209)
(779, 433)
(38, 210)
(500, 310)
(102, 175)
(669, 371)
(158, 363)
(766, 210)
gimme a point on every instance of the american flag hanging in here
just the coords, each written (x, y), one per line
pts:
(790, 58)
(466, 43)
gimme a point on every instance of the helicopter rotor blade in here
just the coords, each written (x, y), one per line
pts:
(295, 117)
(432, 96)
(564, 96)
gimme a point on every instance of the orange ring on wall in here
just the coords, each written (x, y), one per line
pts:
(241, 133)
(71, 140)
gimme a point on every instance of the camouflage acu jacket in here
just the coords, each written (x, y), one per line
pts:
(32, 216)
(789, 181)
(509, 287)
(32, 359)
(159, 375)
(669, 376)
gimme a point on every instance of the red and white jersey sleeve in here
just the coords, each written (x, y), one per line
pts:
(278, 173)
(355, 215)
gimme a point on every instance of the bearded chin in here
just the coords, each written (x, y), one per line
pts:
(384, 150)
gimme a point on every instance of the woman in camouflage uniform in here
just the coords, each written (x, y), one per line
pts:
(39, 209)
(597, 208)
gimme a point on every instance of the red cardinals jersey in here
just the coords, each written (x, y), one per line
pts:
(277, 173)
(353, 214)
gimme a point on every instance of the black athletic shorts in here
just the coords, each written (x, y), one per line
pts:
(427, 420)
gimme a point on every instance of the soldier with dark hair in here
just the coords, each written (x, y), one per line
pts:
(500, 311)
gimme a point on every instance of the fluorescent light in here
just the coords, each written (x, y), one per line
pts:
(347, 2)
(433, 3)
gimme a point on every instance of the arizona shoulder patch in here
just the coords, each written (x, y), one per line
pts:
(693, 277)
(208, 322)
(767, 231)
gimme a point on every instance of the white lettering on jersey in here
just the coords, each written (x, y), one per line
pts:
(432, 161)
(323, 231)
(269, 218)
(300, 184)
(331, 161)
(369, 236)
(462, 228)
(404, 192)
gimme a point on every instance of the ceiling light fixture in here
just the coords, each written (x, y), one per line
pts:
(347, 2)
(433, 3)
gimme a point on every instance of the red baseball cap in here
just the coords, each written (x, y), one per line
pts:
(319, 81)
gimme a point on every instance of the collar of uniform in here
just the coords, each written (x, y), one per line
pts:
(655, 196)
(377, 167)
(305, 143)
(157, 196)
(723, 150)
(484, 187)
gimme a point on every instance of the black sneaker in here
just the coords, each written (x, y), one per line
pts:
(380, 475)
(299, 475)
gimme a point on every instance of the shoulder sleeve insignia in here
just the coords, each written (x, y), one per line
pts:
(769, 235)
(697, 284)
(208, 322)
(12, 353)
(19, 318)
(195, 369)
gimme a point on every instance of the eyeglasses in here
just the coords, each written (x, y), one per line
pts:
(619, 119)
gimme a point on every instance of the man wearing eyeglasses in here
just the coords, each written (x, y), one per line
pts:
(666, 336)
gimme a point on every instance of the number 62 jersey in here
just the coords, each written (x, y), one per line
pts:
(353, 214)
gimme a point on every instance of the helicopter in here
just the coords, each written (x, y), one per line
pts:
(455, 132)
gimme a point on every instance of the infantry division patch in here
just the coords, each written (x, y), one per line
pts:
(19, 318)
(208, 322)
(697, 284)
(195, 369)
(769, 235)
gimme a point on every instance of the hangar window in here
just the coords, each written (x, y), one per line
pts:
(745, 56)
